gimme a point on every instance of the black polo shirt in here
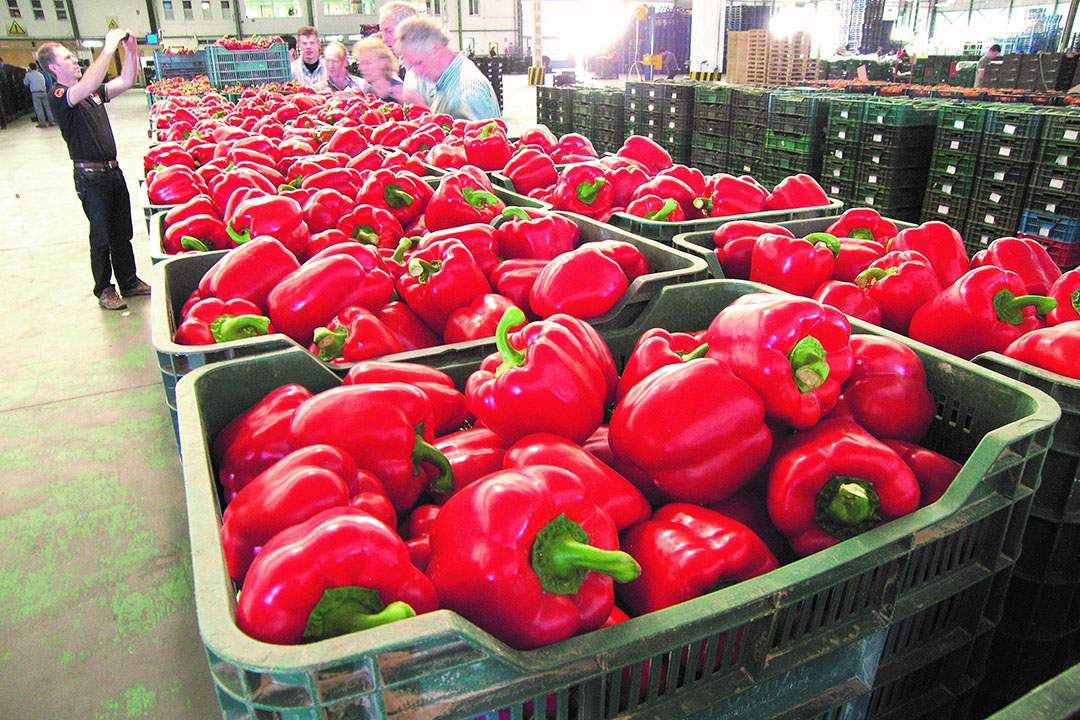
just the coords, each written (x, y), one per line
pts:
(85, 127)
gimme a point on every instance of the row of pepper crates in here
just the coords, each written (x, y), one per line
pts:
(186, 65)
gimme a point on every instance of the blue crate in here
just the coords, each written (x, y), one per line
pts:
(181, 66)
(1051, 227)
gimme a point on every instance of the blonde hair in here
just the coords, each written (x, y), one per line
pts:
(46, 56)
(375, 47)
(421, 34)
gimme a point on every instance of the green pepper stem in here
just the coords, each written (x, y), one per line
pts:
(511, 356)
(486, 131)
(238, 237)
(365, 234)
(663, 213)
(478, 198)
(516, 213)
(404, 245)
(847, 506)
(344, 610)
(330, 343)
(1010, 308)
(425, 452)
(869, 276)
(562, 557)
(587, 191)
(704, 204)
(808, 365)
(850, 505)
(830, 241)
(422, 270)
(193, 243)
(228, 327)
(861, 234)
(396, 197)
(1075, 300)
(698, 352)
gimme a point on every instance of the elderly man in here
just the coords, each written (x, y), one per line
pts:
(308, 69)
(461, 90)
(418, 91)
(338, 79)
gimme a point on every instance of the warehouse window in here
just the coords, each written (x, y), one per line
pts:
(206, 10)
(39, 12)
(13, 8)
(226, 9)
(189, 13)
(434, 7)
(349, 7)
(61, 9)
(166, 9)
(474, 7)
(271, 8)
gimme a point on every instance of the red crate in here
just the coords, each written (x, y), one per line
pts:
(1064, 254)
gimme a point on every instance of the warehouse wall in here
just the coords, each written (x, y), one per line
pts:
(479, 23)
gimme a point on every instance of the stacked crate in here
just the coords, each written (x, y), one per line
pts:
(1053, 208)
(894, 160)
(493, 69)
(609, 120)
(1011, 142)
(709, 146)
(750, 117)
(555, 108)
(790, 60)
(955, 165)
(794, 136)
(582, 114)
(841, 146)
(663, 112)
(747, 57)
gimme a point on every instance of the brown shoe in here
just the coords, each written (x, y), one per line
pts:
(136, 289)
(109, 300)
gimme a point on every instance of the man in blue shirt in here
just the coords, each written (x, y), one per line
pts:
(39, 93)
(461, 90)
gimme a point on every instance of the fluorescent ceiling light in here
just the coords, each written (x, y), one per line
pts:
(93, 43)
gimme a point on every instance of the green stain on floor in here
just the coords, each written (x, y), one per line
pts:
(139, 613)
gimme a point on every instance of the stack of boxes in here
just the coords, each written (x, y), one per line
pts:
(865, 30)
(555, 108)
(790, 60)
(894, 161)
(609, 120)
(662, 112)
(750, 117)
(841, 146)
(1053, 208)
(493, 69)
(709, 145)
(1011, 141)
(794, 136)
(955, 164)
(747, 57)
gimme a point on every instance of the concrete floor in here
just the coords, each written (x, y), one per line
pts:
(97, 618)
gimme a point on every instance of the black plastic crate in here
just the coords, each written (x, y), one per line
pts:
(798, 124)
(876, 196)
(1005, 220)
(1059, 154)
(907, 179)
(745, 149)
(712, 143)
(795, 162)
(716, 128)
(847, 131)
(1063, 128)
(998, 194)
(641, 118)
(748, 133)
(744, 164)
(716, 113)
(1012, 123)
(708, 161)
(947, 208)
(904, 137)
(953, 187)
(847, 109)
(894, 157)
(1056, 178)
(1004, 171)
(797, 105)
(1017, 150)
(840, 150)
(907, 114)
(833, 168)
(747, 100)
(945, 164)
(1055, 202)
(838, 188)
(966, 142)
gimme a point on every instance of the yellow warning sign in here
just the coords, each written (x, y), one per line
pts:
(113, 25)
(16, 29)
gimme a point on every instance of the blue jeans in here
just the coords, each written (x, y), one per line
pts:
(107, 205)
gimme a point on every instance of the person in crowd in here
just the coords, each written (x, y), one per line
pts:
(290, 42)
(336, 60)
(417, 90)
(308, 69)
(39, 94)
(380, 69)
(78, 102)
(984, 63)
(461, 90)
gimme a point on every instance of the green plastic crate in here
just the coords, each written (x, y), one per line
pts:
(445, 666)
(901, 113)
(846, 131)
(1014, 121)
(1059, 154)
(248, 67)
(1064, 128)
(712, 95)
(847, 109)
(1056, 699)
(963, 116)
(805, 144)
(945, 164)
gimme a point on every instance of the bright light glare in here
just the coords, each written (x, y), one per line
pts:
(93, 43)
(823, 24)
(592, 26)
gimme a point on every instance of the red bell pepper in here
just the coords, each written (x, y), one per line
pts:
(355, 334)
(796, 191)
(301, 168)
(933, 471)
(477, 320)
(402, 162)
(583, 283)
(389, 133)
(460, 199)
(693, 177)
(749, 507)
(223, 186)
(278, 217)
(312, 295)
(173, 185)
(257, 438)
(324, 207)
(366, 255)
(345, 180)
(854, 256)
(632, 261)
(387, 428)
(213, 321)
(657, 348)
(1051, 348)
(347, 140)
(479, 238)
(540, 136)
(694, 429)
(447, 402)
(572, 145)
(795, 265)
(548, 377)
(447, 157)
(734, 242)
(1066, 290)
(900, 281)
(729, 195)
(371, 225)
(165, 155)
(794, 352)
(836, 481)
(487, 147)
(408, 328)
(198, 205)
(401, 192)
(1023, 256)
(530, 168)
(656, 208)
(985, 310)
(646, 153)
(613, 493)
(250, 272)
(686, 551)
(339, 572)
(421, 141)
(667, 186)
(863, 224)
(196, 232)
(849, 299)
(370, 159)
(441, 278)
(624, 181)
(493, 550)
(515, 280)
(583, 189)
(886, 393)
(472, 454)
(535, 234)
(940, 244)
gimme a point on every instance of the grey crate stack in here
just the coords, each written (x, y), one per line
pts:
(841, 146)
(794, 136)
(709, 145)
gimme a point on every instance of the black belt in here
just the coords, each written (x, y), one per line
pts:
(96, 164)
